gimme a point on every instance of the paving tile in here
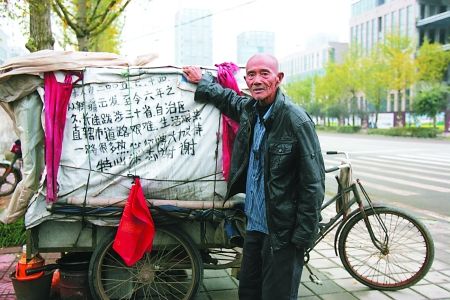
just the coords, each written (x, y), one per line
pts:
(214, 273)
(338, 296)
(351, 285)
(309, 298)
(218, 284)
(432, 291)
(322, 263)
(336, 273)
(328, 253)
(305, 275)
(437, 277)
(405, 294)
(371, 295)
(439, 265)
(304, 291)
(327, 287)
(7, 258)
(445, 286)
(224, 295)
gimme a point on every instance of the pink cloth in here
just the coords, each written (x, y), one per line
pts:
(225, 77)
(56, 99)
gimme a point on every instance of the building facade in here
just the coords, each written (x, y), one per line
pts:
(251, 42)
(193, 37)
(301, 65)
(372, 20)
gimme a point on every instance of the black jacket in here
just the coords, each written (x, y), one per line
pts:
(294, 176)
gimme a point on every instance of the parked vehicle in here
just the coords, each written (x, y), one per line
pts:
(10, 171)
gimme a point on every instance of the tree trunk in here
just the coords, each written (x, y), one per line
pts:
(83, 39)
(83, 43)
(40, 26)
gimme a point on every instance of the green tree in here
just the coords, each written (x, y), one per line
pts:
(432, 62)
(431, 100)
(350, 75)
(89, 18)
(398, 56)
(330, 91)
(374, 80)
(302, 92)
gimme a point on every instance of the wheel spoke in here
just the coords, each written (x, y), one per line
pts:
(406, 257)
(171, 271)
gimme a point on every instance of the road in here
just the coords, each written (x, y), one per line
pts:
(406, 172)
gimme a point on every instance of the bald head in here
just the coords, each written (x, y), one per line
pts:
(268, 60)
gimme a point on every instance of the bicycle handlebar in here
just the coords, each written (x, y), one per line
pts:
(332, 169)
(341, 166)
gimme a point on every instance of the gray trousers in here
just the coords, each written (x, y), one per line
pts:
(266, 274)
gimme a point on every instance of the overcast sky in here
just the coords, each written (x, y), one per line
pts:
(149, 25)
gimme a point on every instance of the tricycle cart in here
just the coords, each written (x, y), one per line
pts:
(103, 122)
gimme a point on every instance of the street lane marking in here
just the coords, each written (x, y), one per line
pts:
(384, 171)
(383, 188)
(405, 182)
(387, 189)
(395, 180)
(418, 169)
(426, 157)
(421, 161)
(390, 159)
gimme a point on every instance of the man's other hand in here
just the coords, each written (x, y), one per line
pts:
(192, 74)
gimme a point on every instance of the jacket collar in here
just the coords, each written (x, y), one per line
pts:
(277, 104)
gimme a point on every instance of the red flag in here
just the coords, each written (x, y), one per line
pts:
(136, 229)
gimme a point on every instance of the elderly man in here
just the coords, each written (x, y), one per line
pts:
(277, 163)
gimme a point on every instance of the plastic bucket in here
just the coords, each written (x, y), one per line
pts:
(33, 289)
(74, 285)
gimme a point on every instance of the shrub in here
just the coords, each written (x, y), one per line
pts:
(12, 234)
(348, 129)
(340, 129)
(406, 131)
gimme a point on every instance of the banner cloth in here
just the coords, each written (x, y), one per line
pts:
(142, 122)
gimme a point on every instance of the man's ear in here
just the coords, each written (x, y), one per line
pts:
(280, 77)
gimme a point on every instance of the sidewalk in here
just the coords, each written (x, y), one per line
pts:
(337, 283)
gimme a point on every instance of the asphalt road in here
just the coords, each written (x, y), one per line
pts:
(405, 172)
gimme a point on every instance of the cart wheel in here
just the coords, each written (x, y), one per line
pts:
(172, 270)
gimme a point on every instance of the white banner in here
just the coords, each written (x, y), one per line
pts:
(144, 123)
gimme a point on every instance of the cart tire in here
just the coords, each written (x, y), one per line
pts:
(172, 270)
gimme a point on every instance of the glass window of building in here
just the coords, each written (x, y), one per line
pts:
(394, 21)
(402, 21)
(387, 24)
(432, 10)
(422, 11)
(374, 32)
(432, 35)
(442, 36)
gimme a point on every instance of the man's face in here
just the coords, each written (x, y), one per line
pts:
(262, 79)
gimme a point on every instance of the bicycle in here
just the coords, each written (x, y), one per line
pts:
(10, 174)
(382, 247)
